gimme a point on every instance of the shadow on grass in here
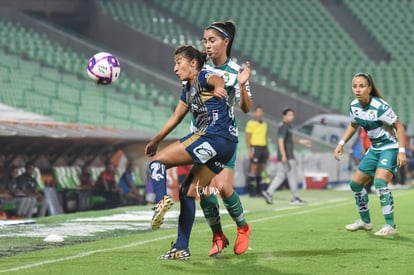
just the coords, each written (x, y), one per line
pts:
(224, 265)
(317, 252)
(400, 239)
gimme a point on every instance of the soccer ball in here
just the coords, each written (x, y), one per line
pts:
(104, 68)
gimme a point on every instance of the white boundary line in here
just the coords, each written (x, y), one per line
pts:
(84, 254)
(88, 253)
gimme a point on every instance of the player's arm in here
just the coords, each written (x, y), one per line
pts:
(303, 141)
(401, 158)
(218, 84)
(282, 149)
(399, 127)
(179, 113)
(245, 102)
(175, 119)
(349, 132)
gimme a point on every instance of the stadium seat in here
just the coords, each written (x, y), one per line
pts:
(302, 36)
(47, 80)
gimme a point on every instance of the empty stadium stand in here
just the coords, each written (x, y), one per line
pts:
(298, 41)
(48, 79)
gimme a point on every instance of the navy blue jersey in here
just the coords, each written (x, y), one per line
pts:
(211, 115)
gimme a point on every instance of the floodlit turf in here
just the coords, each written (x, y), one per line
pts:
(285, 240)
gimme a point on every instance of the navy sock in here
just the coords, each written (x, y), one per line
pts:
(158, 176)
(185, 221)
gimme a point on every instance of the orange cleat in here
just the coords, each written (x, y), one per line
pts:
(242, 239)
(220, 241)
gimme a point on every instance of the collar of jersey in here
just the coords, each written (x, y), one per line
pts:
(221, 66)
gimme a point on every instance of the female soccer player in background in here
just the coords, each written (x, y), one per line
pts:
(386, 153)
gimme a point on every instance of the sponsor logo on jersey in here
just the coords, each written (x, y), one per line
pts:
(204, 152)
(226, 77)
(356, 112)
(219, 164)
(391, 115)
(233, 131)
(194, 107)
(371, 115)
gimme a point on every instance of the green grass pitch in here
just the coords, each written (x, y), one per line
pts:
(285, 240)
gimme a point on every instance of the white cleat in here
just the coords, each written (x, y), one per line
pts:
(359, 225)
(386, 230)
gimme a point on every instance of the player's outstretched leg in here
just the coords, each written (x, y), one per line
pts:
(159, 211)
(158, 176)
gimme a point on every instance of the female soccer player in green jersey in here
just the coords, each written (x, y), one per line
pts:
(387, 152)
(218, 40)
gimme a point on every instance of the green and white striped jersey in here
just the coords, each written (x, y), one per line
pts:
(229, 72)
(378, 120)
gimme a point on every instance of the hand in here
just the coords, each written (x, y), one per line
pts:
(306, 142)
(151, 148)
(220, 93)
(338, 152)
(401, 159)
(244, 74)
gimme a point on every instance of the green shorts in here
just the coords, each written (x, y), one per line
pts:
(232, 161)
(374, 159)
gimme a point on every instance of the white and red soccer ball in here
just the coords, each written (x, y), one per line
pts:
(104, 68)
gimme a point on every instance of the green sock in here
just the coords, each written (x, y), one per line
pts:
(361, 201)
(387, 205)
(211, 212)
(235, 209)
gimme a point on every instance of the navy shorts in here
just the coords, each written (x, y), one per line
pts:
(211, 150)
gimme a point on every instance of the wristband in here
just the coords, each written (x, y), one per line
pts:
(401, 150)
(341, 142)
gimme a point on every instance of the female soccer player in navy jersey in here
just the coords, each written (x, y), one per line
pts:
(209, 147)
